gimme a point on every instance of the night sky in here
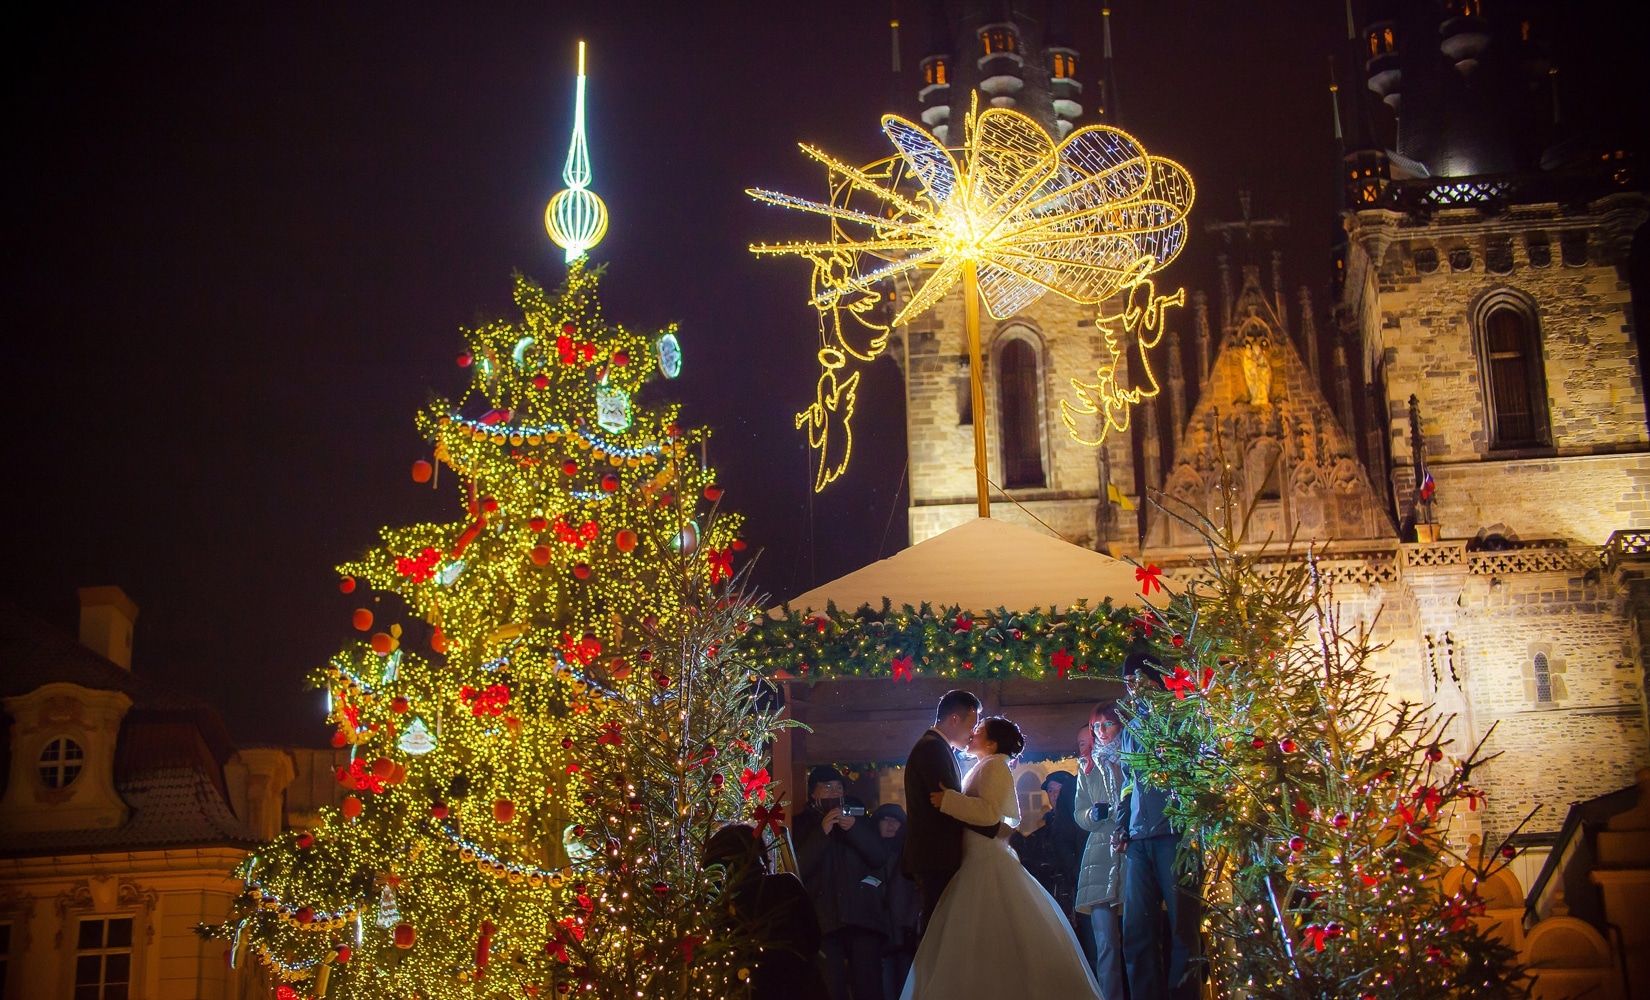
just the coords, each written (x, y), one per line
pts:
(240, 242)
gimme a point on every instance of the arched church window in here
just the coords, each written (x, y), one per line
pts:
(1065, 66)
(1515, 386)
(1543, 679)
(933, 72)
(1020, 403)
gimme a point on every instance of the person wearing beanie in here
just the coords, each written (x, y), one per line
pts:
(841, 859)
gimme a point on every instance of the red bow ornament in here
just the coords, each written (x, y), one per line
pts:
(1183, 683)
(1149, 576)
(755, 783)
(904, 668)
(765, 817)
(610, 734)
(1062, 661)
(721, 564)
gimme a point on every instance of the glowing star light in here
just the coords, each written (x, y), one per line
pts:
(576, 217)
(1011, 215)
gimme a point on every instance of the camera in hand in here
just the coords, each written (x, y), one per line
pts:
(826, 805)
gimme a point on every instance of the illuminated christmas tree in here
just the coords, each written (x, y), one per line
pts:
(545, 714)
(1316, 807)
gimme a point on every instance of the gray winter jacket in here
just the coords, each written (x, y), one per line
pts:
(1101, 880)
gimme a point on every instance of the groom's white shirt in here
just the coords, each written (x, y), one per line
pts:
(990, 796)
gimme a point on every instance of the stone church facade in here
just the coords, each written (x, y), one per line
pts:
(1465, 423)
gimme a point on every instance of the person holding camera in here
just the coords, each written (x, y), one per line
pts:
(842, 859)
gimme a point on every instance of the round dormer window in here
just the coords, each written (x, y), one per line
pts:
(60, 762)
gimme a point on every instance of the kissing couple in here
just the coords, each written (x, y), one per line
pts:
(988, 929)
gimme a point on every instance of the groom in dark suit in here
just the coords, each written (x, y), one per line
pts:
(933, 840)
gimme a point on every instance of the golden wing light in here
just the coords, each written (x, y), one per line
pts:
(1086, 217)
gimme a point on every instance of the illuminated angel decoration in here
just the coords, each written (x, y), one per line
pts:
(1012, 215)
(832, 397)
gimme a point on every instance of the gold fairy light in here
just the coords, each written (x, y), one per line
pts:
(1012, 215)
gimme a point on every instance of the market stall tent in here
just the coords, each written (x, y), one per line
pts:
(980, 566)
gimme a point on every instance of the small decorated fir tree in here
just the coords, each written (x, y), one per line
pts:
(529, 799)
(1314, 805)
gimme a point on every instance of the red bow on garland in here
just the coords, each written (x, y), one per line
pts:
(964, 624)
(1062, 662)
(1149, 576)
(610, 734)
(755, 783)
(687, 944)
(904, 668)
(765, 817)
(721, 564)
(576, 537)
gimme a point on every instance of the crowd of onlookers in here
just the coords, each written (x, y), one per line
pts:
(847, 923)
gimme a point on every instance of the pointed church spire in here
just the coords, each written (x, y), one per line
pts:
(1111, 111)
(1177, 392)
(1200, 313)
(576, 218)
(1309, 333)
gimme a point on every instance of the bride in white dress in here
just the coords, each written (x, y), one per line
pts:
(996, 933)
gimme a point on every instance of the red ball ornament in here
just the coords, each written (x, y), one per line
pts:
(581, 571)
(362, 619)
(305, 915)
(625, 540)
(569, 329)
(713, 493)
(610, 482)
(1297, 843)
(399, 705)
(663, 679)
(1341, 821)
(567, 742)
(438, 810)
(438, 641)
(1333, 930)
(1287, 745)
(1509, 852)
(578, 830)
(351, 807)
(464, 360)
(343, 954)
(383, 643)
(717, 779)
(405, 936)
(541, 381)
(422, 471)
(618, 668)
(346, 585)
(661, 889)
(738, 545)
(646, 655)
(1435, 753)
(1259, 743)
(540, 554)
(673, 431)
(382, 768)
(537, 523)
(339, 739)
(621, 358)
(489, 504)
(306, 840)
(504, 811)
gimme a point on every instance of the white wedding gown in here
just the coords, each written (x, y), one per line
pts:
(996, 933)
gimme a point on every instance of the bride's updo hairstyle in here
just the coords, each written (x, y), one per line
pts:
(1010, 741)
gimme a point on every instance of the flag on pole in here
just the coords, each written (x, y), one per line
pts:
(1428, 487)
(1118, 497)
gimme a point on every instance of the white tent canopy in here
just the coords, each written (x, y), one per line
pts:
(979, 566)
